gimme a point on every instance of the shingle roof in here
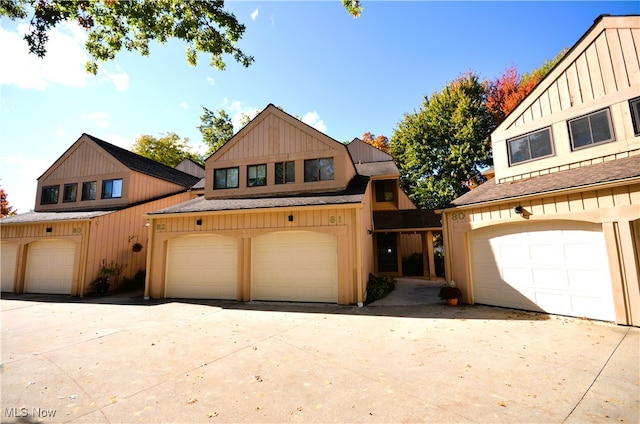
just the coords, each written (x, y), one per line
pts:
(372, 169)
(146, 166)
(354, 193)
(35, 217)
(406, 219)
(601, 173)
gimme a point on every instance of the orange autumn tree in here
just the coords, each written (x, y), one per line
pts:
(508, 90)
(380, 142)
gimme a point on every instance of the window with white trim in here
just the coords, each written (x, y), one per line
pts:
(535, 145)
(591, 129)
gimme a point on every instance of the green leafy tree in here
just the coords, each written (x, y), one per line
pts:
(132, 24)
(215, 129)
(354, 7)
(442, 148)
(5, 208)
(169, 149)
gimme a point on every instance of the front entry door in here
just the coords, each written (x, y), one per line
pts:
(387, 252)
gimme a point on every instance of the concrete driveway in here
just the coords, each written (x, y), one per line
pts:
(126, 360)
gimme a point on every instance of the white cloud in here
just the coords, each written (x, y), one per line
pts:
(119, 79)
(254, 14)
(63, 63)
(237, 111)
(120, 140)
(20, 179)
(210, 81)
(60, 132)
(184, 105)
(101, 119)
(313, 119)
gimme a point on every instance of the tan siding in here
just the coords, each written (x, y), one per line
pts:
(84, 159)
(595, 72)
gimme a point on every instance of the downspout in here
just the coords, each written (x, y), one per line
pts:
(359, 300)
(83, 258)
(150, 248)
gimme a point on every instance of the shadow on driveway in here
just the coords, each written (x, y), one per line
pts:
(412, 298)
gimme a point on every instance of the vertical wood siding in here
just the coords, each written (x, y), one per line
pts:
(608, 65)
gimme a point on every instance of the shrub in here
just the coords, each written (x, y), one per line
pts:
(379, 286)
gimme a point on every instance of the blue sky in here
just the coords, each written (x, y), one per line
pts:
(344, 76)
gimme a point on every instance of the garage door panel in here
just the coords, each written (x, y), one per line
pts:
(202, 267)
(295, 266)
(9, 256)
(49, 267)
(556, 268)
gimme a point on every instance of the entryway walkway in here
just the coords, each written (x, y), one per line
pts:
(412, 291)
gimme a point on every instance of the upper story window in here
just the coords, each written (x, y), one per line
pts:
(634, 105)
(256, 175)
(89, 190)
(49, 195)
(591, 129)
(285, 172)
(531, 146)
(385, 190)
(318, 169)
(70, 192)
(226, 178)
(112, 189)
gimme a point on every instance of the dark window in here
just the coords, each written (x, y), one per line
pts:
(89, 190)
(70, 192)
(387, 247)
(256, 175)
(49, 195)
(385, 190)
(318, 170)
(226, 178)
(285, 172)
(592, 129)
(634, 105)
(531, 146)
(111, 189)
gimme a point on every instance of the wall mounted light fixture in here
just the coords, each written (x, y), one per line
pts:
(518, 210)
(198, 222)
(290, 218)
(49, 229)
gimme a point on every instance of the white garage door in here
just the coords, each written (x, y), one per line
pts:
(8, 255)
(559, 268)
(50, 267)
(297, 266)
(202, 267)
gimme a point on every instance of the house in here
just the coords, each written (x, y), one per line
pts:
(557, 227)
(89, 214)
(287, 214)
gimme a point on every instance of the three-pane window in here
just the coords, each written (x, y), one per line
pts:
(256, 175)
(49, 195)
(89, 190)
(70, 192)
(226, 178)
(531, 146)
(111, 189)
(318, 169)
(591, 129)
(285, 172)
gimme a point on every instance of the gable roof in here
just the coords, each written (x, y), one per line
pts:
(619, 170)
(271, 109)
(146, 166)
(353, 194)
(362, 152)
(591, 42)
